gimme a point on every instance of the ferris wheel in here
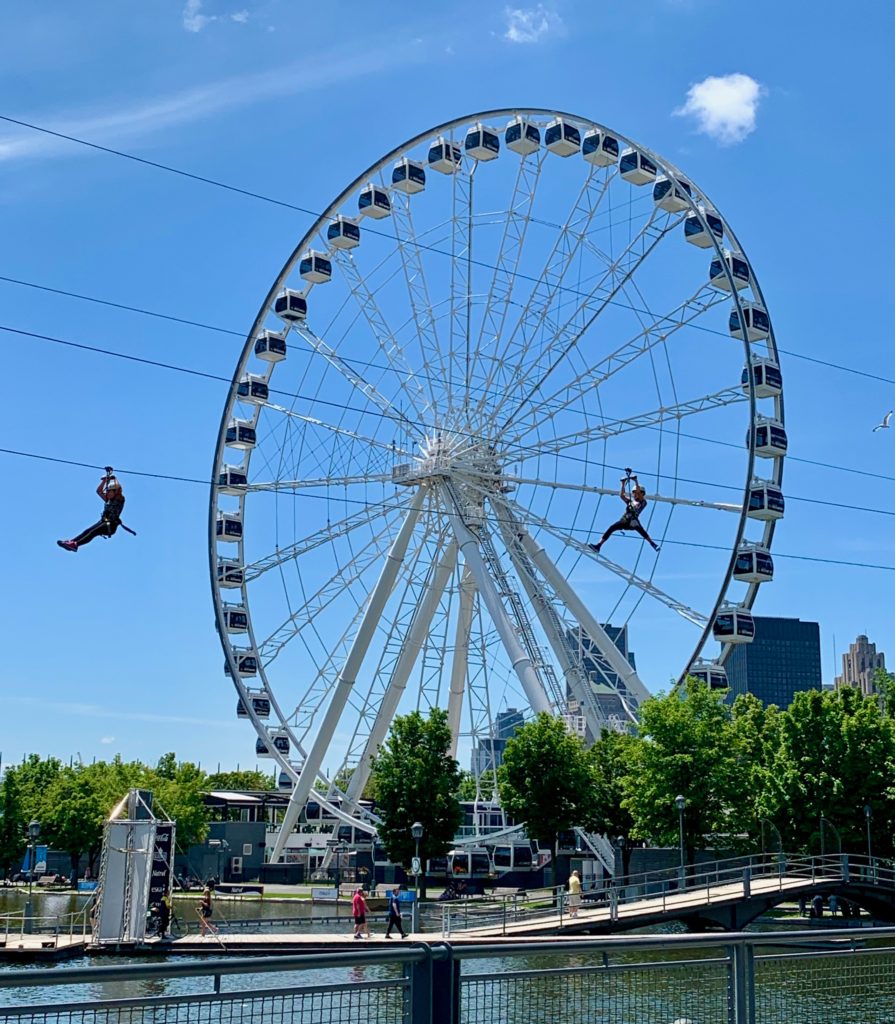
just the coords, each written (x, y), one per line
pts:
(426, 430)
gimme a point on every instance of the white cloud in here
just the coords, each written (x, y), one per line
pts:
(193, 18)
(149, 117)
(241, 16)
(531, 24)
(107, 739)
(724, 106)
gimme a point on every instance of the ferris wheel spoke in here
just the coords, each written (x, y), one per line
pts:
(565, 337)
(548, 285)
(720, 506)
(655, 333)
(325, 535)
(460, 661)
(333, 428)
(385, 338)
(611, 428)
(311, 483)
(459, 311)
(529, 517)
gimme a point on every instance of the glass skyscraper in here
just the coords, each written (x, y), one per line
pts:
(783, 658)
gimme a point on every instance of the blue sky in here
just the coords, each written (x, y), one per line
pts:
(114, 649)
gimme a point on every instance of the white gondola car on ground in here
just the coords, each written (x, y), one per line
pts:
(315, 268)
(230, 574)
(738, 268)
(600, 148)
(766, 378)
(637, 168)
(758, 323)
(522, 137)
(671, 196)
(408, 176)
(703, 231)
(512, 857)
(445, 156)
(240, 434)
(766, 501)
(562, 137)
(753, 564)
(482, 143)
(770, 438)
(290, 306)
(271, 346)
(710, 673)
(733, 624)
(343, 233)
(470, 862)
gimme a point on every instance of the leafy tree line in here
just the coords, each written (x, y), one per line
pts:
(71, 802)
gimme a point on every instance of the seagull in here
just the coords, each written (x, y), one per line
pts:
(885, 423)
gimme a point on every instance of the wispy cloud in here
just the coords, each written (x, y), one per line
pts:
(70, 708)
(531, 24)
(142, 120)
(724, 106)
(107, 739)
(240, 16)
(193, 18)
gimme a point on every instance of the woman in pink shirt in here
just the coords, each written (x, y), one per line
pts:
(359, 910)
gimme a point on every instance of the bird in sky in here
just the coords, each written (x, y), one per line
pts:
(885, 423)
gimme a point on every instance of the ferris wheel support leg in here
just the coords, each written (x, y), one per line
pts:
(522, 665)
(413, 644)
(344, 684)
(460, 666)
(617, 661)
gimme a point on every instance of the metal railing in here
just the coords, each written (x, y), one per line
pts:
(16, 926)
(807, 977)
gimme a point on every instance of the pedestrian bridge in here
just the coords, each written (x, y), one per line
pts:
(725, 894)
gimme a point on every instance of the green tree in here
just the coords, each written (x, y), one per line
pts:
(610, 759)
(416, 779)
(12, 825)
(487, 787)
(33, 778)
(884, 683)
(246, 779)
(546, 780)
(77, 807)
(688, 750)
(178, 794)
(756, 735)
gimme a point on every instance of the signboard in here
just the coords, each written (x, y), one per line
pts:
(415, 866)
(40, 860)
(162, 862)
(406, 896)
(327, 895)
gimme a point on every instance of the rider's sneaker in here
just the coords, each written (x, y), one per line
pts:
(69, 545)
(594, 547)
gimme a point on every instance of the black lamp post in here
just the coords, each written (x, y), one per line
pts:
(680, 803)
(416, 830)
(868, 815)
(33, 836)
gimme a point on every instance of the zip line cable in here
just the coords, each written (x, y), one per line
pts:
(387, 506)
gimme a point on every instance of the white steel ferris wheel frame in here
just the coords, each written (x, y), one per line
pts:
(469, 550)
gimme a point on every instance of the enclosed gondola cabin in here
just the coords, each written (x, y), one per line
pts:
(252, 389)
(246, 663)
(228, 527)
(733, 625)
(599, 148)
(229, 574)
(705, 230)
(636, 168)
(281, 743)
(753, 564)
(482, 143)
(240, 434)
(766, 378)
(756, 319)
(343, 233)
(770, 438)
(291, 306)
(315, 268)
(521, 136)
(710, 673)
(232, 480)
(271, 346)
(373, 202)
(444, 156)
(766, 501)
(735, 266)
(284, 782)
(408, 176)
(562, 137)
(672, 196)
(512, 857)
(469, 862)
(236, 618)
(260, 704)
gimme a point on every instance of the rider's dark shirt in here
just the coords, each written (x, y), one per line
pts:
(634, 508)
(113, 507)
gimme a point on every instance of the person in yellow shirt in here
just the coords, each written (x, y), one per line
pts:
(574, 893)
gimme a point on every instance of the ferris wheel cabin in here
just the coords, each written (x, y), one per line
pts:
(236, 618)
(482, 143)
(636, 168)
(259, 701)
(521, 136)
(408, 176)
(290, 306)
(278, 741)
(675, 198)
(599, 148)
(738, 269)
(230, 574)
(711, 673)
(252, 388)
(444, 156)
(755, 317)
(733, 625)
(343, 233)
(271, 346)
(315, 268)
(232, 480)
(562, 138)
(240, 434)
(373, 202)
(704, 235)
(246, 662)
(753, 564)
(766, 501)
(766, 378)
(770, 438)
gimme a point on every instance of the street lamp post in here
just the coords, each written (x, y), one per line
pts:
(868, 815)
(680, 803)
(416, 830)
(33, 835)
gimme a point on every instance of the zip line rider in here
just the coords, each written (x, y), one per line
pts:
(635, 503)
(110, 491)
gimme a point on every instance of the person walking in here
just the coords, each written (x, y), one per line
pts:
(394, 915)
(574, 893)
(205, 910)
(359, 910)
